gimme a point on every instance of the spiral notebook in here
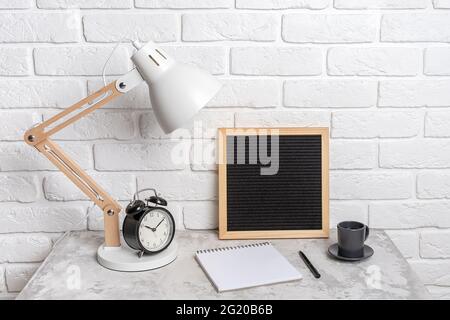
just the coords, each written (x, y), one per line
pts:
(245, 266)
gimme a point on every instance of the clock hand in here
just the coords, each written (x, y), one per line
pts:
(159, 223)
(153, 229)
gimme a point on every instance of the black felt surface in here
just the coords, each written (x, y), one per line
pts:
(288, 200)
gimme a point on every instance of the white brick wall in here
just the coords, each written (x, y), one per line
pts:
(433, 185)
(229, 26)
(435, 124)
(374, 61)
(348, 210)
(287, 4)
(15, 62)
(35, 27)
(432, 58)
(376, 72)
(441, 4)
(184, 4)
(57, 187)
(107, 27)
(330, 93)
(330, 28)
(272, 61)
(40, 93)
(211, 58)
(65, 61)
(380, 4)
(18, 4)
(415, 27)
(85, 4)
(435, 244)
(200, 215)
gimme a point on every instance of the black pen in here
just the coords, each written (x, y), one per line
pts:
(313, 270)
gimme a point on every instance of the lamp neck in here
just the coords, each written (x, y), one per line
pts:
(129, 81)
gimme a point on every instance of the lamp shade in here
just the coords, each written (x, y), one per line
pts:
(177, 91)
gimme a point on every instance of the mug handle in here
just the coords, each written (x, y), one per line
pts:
(367, 233)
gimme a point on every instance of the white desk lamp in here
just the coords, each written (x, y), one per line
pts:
(177, 93)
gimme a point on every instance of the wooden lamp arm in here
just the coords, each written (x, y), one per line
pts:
(45, 130)
(39, 137)
(110, 207)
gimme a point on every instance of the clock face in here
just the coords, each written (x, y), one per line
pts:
(156, 230)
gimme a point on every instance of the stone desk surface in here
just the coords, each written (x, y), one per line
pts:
(386, 275)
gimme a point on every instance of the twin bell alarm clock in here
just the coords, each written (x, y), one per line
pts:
(148, 227)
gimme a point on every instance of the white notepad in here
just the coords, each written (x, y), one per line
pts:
(246, 266)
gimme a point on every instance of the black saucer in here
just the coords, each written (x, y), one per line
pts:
(333, 251)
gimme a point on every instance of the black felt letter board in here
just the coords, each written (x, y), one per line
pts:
(289, 200)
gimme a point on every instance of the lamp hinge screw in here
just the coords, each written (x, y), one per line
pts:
(110, 212)
(31, 138)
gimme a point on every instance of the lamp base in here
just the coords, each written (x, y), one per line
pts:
(125, 259)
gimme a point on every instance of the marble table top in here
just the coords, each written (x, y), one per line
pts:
(72, 272)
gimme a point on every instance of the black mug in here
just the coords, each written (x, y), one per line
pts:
(351, 237)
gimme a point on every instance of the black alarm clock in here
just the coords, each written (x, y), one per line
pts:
(148, 227)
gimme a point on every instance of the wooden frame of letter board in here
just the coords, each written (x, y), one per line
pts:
(265, 234)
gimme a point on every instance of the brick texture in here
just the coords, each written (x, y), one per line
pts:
(380, 4)
(374, 61)
(286, 4)
(304, 28)
(227, 26)
(375, 72)
(276, 61)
